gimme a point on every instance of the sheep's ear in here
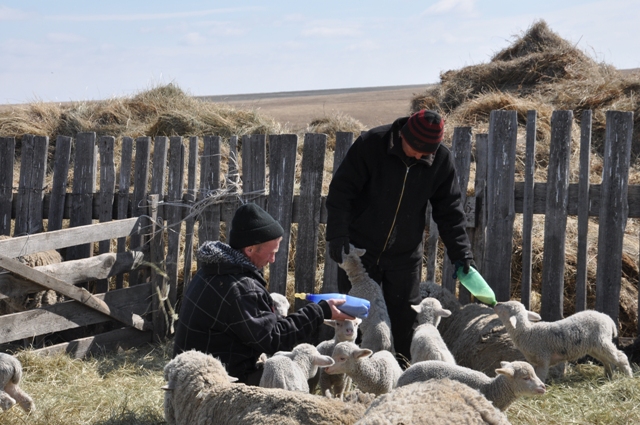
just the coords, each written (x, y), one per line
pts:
(357, 321)
(359, 251)
(534, 317)
(444, 313)
(506, 371)
(283, 353)
(417, 308)
(513, 321)
(168, 387)
(233, 379)
(330, 322)
(323, 361)
(364, 352)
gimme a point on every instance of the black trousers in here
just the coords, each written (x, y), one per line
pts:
(401, 289)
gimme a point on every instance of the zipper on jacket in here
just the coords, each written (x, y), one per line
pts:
(395, 216)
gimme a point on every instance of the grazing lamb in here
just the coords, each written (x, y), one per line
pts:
(545, 344)
(376, 327)
(512, 380)
(198, 392)
(436, 402)
(281, 302)
(10, 392)
(345, 330)
(291, 370)
(427, 343)
(371, 372)
(474, 334)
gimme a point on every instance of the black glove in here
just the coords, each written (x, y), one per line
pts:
(465, 264)
(336, 246)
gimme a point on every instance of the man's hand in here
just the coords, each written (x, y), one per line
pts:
(465, 264)
(336, 314)
(336, 246)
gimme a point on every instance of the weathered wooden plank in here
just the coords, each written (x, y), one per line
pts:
(480, 190)
(312, 166)
(190, 199)
(254, 173)
(7, 153)
(106, 196)
(33, 168)
(496, 269)
(123, 198)
(330, 279)
(140, 190)
(583, 211)
(209, 215)
(173, 210)
(282, 165)
(73, 292)
(159, 171)
(119, 339)
(461, 150)
(84, 186)
(58, 196)
(232, 185)
(24, 245)
(614, 211)
(74, 271)
(527, 209)
(555, 222)
(159, 284)
(72, 314)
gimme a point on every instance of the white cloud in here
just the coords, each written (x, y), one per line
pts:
(148, 16)
(58, 37)
(444, 6)
(8, 14)
(326, 31)
(193, 39)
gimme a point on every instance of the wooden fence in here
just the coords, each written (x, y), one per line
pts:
(180, 183)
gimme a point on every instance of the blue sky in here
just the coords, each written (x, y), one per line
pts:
(66, 50)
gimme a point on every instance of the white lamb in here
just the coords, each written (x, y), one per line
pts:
(199, 392)
(545, 344)
(427, 343)
(345, 330)
(376, 327)
(512, 380)
(281, 302)
(371, 372)
(10, 392)
(291, 370)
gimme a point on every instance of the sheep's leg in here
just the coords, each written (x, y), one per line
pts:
(6, 401)
(22, 398)
(610, 356)
(542, 370)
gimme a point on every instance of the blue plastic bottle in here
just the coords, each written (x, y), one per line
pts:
(476, 284)
(354, 306)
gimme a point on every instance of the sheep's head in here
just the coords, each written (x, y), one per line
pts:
(510, 312)
(430, 311)
(345, 355)
(345, 330)
(522, 377)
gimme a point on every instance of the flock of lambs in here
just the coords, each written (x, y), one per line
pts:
(466, 369)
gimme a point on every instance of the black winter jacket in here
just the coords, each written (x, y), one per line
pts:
(227, 312)
(378, 198)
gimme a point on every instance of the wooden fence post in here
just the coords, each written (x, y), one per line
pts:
(58, 198)
(33, 167)
(7, 153)
(478, 239)
(209, 217)
(106, 196)
(124, 206)
(173, 210)
(583, 211)
(254, 172)
(189, 200)
(527, 209)
(84, 186)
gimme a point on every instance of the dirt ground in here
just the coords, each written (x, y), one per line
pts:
(371, 106)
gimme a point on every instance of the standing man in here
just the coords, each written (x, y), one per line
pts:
(227, 311)
(377, 201)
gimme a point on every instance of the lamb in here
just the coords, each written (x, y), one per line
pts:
(512, 380)
(10, 392)
(335, 385)
(281, 302)
(427, 343)
(545, 344)
(291, 370)
(199, 392)
(376, 327)
(371, 372)
(436, 402)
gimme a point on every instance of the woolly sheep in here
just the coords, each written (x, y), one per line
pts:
(10, 392)
(371, 372)
(198, 392)
(291, 370)
(344, 330)
(281, 302)
(427, 343)
(512, 380)
(474, 334)
(545, 344)
(376, 327)
(436, 402)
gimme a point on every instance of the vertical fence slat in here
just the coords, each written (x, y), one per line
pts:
(254, 172)
(156, 256)
(583, 211)
(58, 197)
(282, 170)
(527, 208)
(174, 214)
(190, 198)
(209, 217)
(555, 222)
(105, 200)
(614, 210)
(159, 172)
(313, 153)
(503, 127)
(84, 186)
(33, 166)
(140, 190)
(124, 183)
(7, 153)
(480, 190)
(330, 279)
(233, 185)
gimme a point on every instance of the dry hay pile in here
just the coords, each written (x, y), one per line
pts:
(543, 72)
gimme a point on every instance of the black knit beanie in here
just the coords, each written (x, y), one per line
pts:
(423, 131)
(251, 225)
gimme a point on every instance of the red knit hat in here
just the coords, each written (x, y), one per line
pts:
(424, 131)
